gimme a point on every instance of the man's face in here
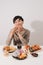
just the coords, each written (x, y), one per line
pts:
(18, 23)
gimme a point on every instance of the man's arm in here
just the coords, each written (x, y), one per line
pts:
(10, 36)
(26, 37)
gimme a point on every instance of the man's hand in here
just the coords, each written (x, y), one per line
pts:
(20, 36)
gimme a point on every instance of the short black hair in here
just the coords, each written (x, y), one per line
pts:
(17, 17)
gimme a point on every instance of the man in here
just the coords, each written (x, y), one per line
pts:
(19, 34)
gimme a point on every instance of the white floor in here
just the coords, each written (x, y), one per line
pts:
(29, 61)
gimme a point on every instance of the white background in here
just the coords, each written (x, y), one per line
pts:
(30, 10)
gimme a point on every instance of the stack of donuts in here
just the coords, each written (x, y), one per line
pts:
(22, 55)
